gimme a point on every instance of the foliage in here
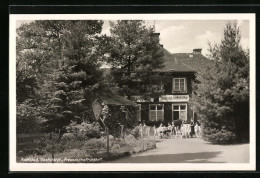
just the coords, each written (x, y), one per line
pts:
(68, 136)
(136, 132)
(92, 148)
(56, 148)
(29, 116)
(92, 133)
(118, 118)
(133, 53)
(222, 99)
(58, 65)
(94, 145)
(82, 131)
(222, 136)
(36, 147)
(71, 144)
(74, 154)
(130, 139)
(120, 142)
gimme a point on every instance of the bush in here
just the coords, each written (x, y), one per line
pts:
(73, 144)
(219, 136)
(37, 147)
(94, 145)
(115, 146)
(68, 137)
(82, 131)
(66, 144)
(92, 133)
(120, 142)
(151, 145)
(136, 132)
(74, 153)
(111, 137)
(136, 150)
(56, 148)
(130, 140)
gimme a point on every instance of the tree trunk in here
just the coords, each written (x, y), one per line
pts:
(129, 65)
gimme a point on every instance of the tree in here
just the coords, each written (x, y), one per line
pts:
(62, 59)
(133, 53)
(222, 99)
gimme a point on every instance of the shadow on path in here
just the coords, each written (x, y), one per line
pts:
(201, 157)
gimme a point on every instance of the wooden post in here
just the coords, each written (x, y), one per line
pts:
(154, 133)
(148, 135)
(52, 148)
(107, 142)
(142, 136)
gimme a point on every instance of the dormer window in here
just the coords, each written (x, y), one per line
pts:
(179, 85)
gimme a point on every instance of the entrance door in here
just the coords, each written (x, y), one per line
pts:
(179, 111)
(176, 115)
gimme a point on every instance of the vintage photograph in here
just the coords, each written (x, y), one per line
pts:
(113, 90)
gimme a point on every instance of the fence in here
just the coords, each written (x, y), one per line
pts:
(36, 144)
(183, 131)
(54, 145)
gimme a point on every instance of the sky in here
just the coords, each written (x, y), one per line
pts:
(182, 36)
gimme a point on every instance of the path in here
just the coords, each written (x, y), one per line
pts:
(192, 150)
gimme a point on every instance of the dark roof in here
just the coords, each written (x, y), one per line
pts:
(180, 62)
(197, 62)
(174, 63)
(112, 99)
(197, 50)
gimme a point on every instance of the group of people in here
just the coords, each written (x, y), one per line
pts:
(184, 130)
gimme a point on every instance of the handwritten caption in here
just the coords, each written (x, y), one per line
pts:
(60, 160)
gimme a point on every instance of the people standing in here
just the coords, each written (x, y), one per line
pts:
(192, 128)
(173, 129)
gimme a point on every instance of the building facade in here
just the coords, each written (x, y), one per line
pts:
(172, 105)
(174, 102)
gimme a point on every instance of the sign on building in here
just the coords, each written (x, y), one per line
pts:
(141, 99)
(174, 98)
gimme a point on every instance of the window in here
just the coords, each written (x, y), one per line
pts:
(179, 85)
(157, 87)
(156, 112)
(179, 111)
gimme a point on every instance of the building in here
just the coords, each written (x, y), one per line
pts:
(174, 103)
(180, 70)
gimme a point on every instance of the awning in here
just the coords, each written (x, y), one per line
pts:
(112, 99)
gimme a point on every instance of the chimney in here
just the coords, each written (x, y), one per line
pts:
(197, 51)
(156, 36)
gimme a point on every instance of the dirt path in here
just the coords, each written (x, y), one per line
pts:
(192, 150)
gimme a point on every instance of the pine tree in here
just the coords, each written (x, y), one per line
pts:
(63, 58)
(222, 99)
(133, 54)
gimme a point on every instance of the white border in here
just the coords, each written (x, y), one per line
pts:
(126, 166)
